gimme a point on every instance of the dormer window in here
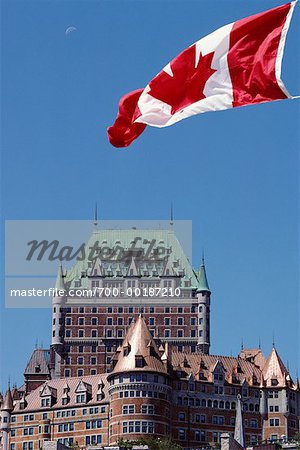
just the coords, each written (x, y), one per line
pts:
(23, 403)
(46, 401)
(139, 361)
(81, 398)
(65, 400)
(48, 396)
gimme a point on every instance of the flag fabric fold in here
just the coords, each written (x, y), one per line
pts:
(236, 65)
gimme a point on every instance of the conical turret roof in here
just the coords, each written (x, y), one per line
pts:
(275, 369)
(8, 402)
(202, 279)
(139, 343)
(60, 285)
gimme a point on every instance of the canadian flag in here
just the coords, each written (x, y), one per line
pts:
(236, 65)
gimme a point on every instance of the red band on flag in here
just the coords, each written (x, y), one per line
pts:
(252, 56)
(124, 131)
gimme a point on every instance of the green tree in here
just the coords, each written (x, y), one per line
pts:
(297, 439)
(153, 443)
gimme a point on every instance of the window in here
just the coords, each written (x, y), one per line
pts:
(253, 423)
(94, 333)
(181, 416)
(181, 434)
(218, 420)
(147, 409)
(274, 423)
(45, 401)
(138, 427)
(81, 333)
(167, 310)
(109, 310)
(167, 333)
(200, 418)
(80, 398)
(167, 321)
(68, 321)
(200, 435)
(128, 409)
(93, 360)
(245, 392)
(152, 321)
(80, 360)
(179, 333)
(28, 445)
(94, 310)
(67, 373)
(94, 439)
(120, 320)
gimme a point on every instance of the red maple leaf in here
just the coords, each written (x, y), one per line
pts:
(187, 83)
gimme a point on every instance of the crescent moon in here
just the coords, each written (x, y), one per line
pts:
(70, 30)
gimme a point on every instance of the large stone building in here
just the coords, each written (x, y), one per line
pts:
(123, 364)
(123, 273)
(156, 391)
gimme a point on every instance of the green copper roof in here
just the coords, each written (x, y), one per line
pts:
(177, 263)
(60, 280)
(202, 279)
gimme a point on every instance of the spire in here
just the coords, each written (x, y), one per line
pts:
(202, 278)
(60, 285)
(239, 425)
(172, 215)
(96, 215)
(8, 401)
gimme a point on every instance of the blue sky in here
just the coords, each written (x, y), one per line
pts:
(235, 173)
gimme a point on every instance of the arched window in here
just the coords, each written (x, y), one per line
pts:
(215, 403)
(227, 405)
(203, 403)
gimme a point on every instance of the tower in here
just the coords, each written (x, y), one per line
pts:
(58, 322)
(140, 387)
(203, 297)
(5, 414)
